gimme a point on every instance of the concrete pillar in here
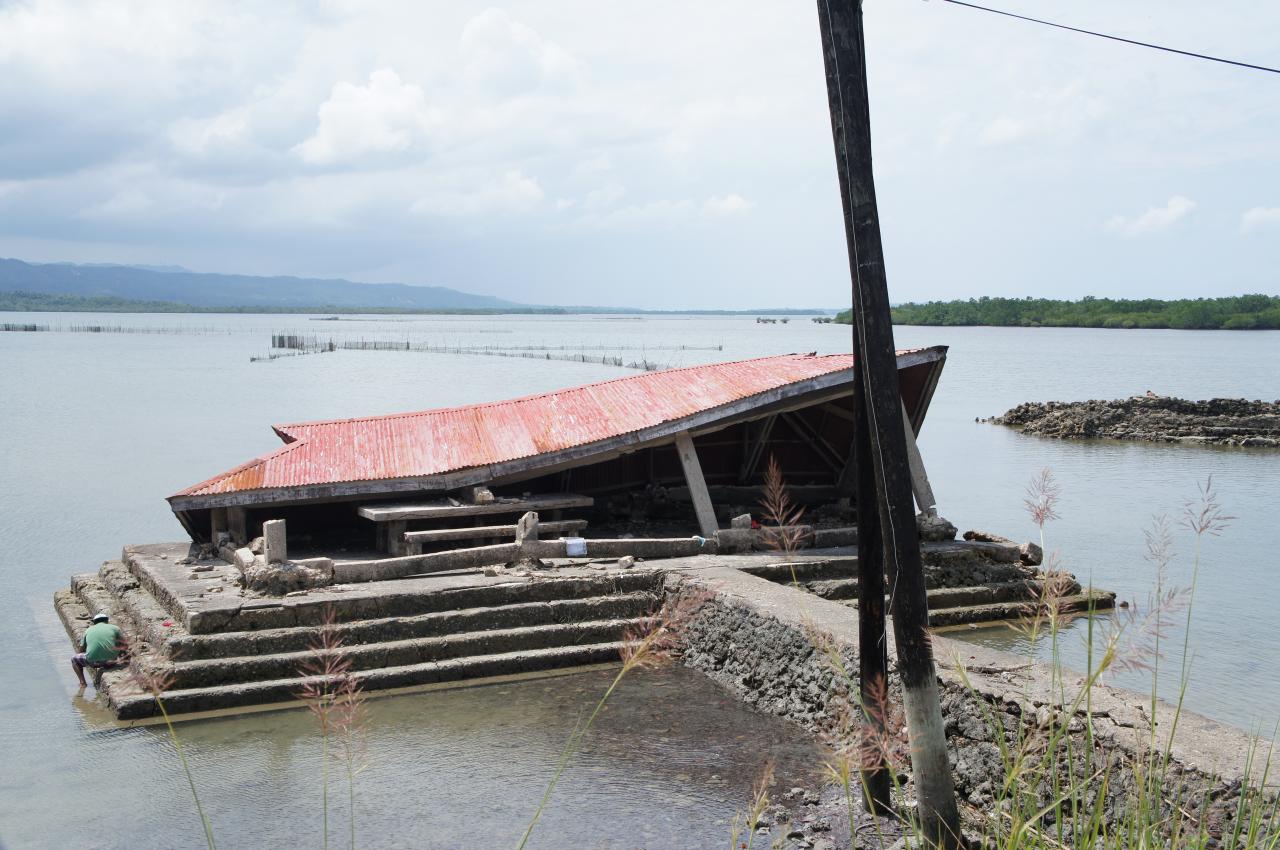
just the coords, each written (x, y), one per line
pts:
(395, 537)
(697, 485)
(237, 525)
(274, 547)
(920, 487)
(217, 525)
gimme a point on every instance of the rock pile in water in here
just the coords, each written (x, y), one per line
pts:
(1218, 421)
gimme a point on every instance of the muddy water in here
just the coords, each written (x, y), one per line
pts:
(668, 764)
(98, 428)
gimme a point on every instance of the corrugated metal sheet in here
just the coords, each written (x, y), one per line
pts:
(436, 441)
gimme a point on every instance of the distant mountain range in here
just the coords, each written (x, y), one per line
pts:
(175, 284)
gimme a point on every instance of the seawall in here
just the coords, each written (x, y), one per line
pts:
(762, 642)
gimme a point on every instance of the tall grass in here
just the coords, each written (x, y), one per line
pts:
(336, 701)
(155, 680)
(1059, 782)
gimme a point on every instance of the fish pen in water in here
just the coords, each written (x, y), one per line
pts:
(292, 345)
(184, 330)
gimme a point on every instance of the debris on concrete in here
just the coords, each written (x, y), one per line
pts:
(282, 578)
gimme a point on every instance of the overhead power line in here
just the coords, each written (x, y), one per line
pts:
(1116, 38)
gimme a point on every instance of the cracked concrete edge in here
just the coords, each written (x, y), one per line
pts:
(1216, 751)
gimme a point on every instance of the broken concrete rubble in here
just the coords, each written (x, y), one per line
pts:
(280, 578)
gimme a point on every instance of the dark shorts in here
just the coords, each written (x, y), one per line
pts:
(94, 665)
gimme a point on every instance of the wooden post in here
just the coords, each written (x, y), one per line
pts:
(873, 637)
(755, 447)
(697, 485)
(919, 479)
(844, 56)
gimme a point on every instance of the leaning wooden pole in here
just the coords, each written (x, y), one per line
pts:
(873, 647)
(844, 55)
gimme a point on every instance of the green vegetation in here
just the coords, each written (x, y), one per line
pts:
(1236, 313)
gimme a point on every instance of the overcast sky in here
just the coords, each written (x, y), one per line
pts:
(658, 154)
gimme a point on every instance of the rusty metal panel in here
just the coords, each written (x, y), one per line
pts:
(437, 441)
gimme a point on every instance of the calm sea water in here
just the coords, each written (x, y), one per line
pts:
(98, 428)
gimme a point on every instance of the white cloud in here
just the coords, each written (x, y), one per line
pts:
(387, 116)
(508, 57)
(1003, 130)
(253, 138)
(1154, 220)
(606, 197)
(512, 192)
(197, 136)
(731, 204)
(1259, 218)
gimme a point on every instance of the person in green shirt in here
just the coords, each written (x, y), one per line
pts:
(99, 648)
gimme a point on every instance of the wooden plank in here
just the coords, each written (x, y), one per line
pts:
(755, 448)
(480, 532)
(919, 480)
(391, 513)
(816, 441)
(697, 484)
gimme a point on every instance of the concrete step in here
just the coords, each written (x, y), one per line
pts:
(941, 558)
(784, 572)
(131, 705)
(410, 598)
(943, 597)
(116, 590)
(1076, 603)
(435, 624)
(75, 617)
(402, 653)
(1023, 592)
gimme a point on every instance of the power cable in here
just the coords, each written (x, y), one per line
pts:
(1116, 37)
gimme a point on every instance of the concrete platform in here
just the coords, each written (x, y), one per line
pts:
(222, 646)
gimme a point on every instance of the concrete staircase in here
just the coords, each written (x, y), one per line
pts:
(967, 582)
(516, 625)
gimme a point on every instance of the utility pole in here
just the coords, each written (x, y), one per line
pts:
(873, 646)
(844, 55)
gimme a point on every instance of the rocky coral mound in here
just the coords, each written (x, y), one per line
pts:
(1218, 421)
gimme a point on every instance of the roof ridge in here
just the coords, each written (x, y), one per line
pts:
(283, 428)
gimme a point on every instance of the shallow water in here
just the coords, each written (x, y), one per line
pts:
(98, 428)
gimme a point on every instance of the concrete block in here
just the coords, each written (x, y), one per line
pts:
(734, 540)
(741, 521)
(244, 558)
(274, 547)
(527, 528)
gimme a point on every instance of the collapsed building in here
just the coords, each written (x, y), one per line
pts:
(674, 453)
(517, 536)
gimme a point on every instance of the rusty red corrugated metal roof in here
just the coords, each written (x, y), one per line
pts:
(432, 442)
